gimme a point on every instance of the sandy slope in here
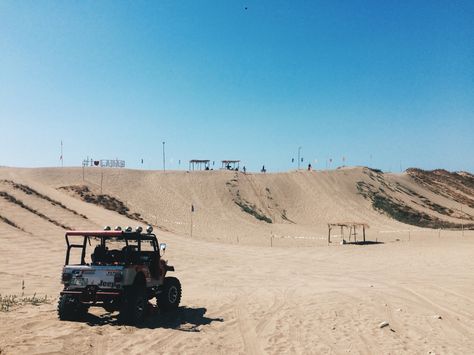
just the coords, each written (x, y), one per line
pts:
(308, 199)
(301, 296)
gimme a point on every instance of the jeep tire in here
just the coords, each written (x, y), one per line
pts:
(111, 305)
(134, 306)
(170, 296)
(69, 308)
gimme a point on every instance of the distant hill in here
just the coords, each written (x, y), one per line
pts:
(230, 204)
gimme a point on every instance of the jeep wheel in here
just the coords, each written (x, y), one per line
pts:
(133, 307)
(70, 308)
(111, 305)
(170, 295)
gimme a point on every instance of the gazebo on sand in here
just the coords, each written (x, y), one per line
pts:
(230, 164)
(199, 164)
(352, 228)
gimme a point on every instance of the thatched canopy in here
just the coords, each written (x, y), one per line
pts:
(199, 164)
(230, 164)
(351, 226)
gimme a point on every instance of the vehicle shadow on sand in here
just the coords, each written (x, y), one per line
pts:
(185, 319)
(367, 242)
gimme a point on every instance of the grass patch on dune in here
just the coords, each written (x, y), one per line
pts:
(9, 222)
(246, 206)
(20, 203)
(455, 186)
(106, 201)
(285, 217)
(253, 211)
(11, 302)
(30, 191)
(400, 211)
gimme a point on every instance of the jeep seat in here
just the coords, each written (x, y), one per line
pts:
(130, 254)
(99, 255)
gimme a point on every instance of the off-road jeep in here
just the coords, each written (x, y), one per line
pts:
(123, 272)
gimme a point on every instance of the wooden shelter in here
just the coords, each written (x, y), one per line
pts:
(352, 228)
(199, 164)
(230, 164)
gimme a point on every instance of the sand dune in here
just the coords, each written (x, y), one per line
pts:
(240, 294)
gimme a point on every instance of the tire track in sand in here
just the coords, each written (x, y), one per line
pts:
(247, 327)
(454, 314)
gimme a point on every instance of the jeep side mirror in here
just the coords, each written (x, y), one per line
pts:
(162, 248)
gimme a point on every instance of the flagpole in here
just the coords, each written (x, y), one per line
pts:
(62, 160)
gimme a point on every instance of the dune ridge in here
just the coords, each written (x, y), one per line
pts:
(250, 285)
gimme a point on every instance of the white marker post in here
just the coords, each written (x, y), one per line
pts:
(62, 158)
(192, 211)
(164, 160)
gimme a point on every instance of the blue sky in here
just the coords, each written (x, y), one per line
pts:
(382, 83)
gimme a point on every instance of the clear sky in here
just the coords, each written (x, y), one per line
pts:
(382, 83)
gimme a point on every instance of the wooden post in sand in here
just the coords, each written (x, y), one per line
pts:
(191, 224)
(191, 232)
(329, 235)
(101, 180)
(363, 232)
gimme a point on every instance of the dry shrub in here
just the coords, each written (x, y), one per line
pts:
(11, 302)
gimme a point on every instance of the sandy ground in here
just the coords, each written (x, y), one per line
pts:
(299, 296)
